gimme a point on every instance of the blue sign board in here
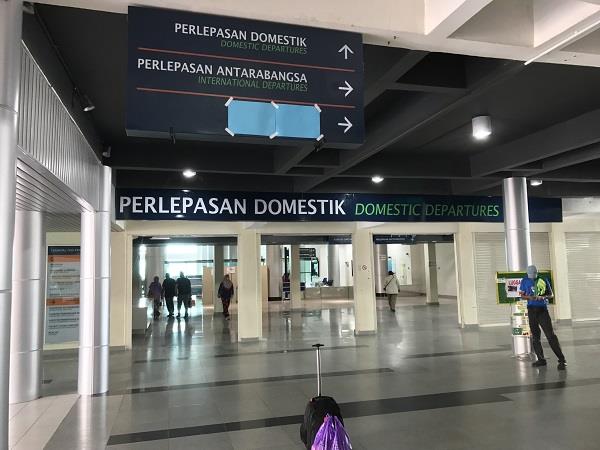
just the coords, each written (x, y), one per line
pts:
(193, 74)
(166, 204)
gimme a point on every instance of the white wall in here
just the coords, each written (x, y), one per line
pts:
(400, 255)
(417, 258)
(446, 264)
(346, 278)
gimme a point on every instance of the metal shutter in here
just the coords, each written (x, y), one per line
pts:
(490, 257)
(583, 262)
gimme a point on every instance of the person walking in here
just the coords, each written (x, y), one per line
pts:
(169, 289)
(155, 293)
(537, 291)
(225, 293)
(184, 294)
(392, 287)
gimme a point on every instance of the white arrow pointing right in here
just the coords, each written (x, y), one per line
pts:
(346, 124)
(348, 88)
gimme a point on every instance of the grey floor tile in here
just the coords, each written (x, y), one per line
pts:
(428, 353)
(261, 439)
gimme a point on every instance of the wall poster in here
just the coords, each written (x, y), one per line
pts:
(62, 294)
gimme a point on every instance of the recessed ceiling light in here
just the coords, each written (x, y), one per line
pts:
(377, 179)
(482, 127)
(189, 173)
(536, 182)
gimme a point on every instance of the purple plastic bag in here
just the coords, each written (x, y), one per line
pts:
(331, 436)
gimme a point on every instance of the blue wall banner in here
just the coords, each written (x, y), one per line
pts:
(193, 74)
(175, 204)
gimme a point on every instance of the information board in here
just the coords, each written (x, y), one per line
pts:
(175, 204)
(308, 252)
(195, 74)
(508, 285)
(62, 294)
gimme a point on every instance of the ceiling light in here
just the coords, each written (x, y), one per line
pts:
(160, 238)
(180, 216)
(189, 173)
(482, 127)
(536, 182)
(87, 104)
(377, 179)
(185, 190)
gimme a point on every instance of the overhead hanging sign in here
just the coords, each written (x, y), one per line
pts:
(195, 74)
(166, 204)
(308, 252)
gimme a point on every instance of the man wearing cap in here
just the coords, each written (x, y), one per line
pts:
(537, 291)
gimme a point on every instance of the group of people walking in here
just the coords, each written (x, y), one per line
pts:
(182, 289)
(168, 290)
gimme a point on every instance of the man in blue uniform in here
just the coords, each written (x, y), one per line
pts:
(537, 291)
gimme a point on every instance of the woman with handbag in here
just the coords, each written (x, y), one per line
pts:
(392, 287)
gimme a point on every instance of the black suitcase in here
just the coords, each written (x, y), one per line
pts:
(317, 408)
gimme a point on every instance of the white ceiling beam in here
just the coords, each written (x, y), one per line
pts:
(413, 24)
(444, 17)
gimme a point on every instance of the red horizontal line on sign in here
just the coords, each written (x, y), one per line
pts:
(235, 58)
(237, 97)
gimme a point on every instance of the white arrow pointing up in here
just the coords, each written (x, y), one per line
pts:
(346, 50)
(346, 124)
(346, 88)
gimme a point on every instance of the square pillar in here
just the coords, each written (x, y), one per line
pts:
(295, 292)
(431, 275)
(365, 307)
(560, 272)
(249, 286)
(464, 247)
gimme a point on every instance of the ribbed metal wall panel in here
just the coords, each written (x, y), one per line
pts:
(490, 257)
(49, 135)
(583, 261)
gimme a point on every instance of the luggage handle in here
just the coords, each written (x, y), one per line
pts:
(318, 348)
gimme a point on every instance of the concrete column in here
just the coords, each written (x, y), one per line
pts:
(431, 275)
(27, 318)
(365, 307)
(560, 271)
(295, 292)
(249, 286)
(464, 247)
(274, 265)
(518, 244)
(333, 264)
(380, 260)
(10, 67)
(94, 309)
(219, 273)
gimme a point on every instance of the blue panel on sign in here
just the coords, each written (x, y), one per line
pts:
(252, 118)
(298, 121)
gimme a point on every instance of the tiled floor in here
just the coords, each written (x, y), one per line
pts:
(420, 383)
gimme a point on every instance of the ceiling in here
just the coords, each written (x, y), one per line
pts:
(419, 106)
